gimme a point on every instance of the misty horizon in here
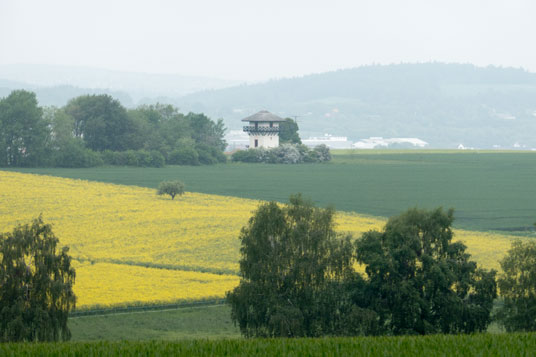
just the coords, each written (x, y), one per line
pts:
(251, 42)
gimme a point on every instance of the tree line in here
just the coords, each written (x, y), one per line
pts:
(92, 130)
(298, 277)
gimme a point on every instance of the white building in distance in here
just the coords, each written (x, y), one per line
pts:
(263, 129)
(332, 142)
(377, 142)
(236, 140)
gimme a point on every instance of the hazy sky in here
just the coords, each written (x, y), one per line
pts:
(255, 40)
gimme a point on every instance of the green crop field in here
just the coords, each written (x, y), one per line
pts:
(489, 190)
(194, 322)
(436, 345)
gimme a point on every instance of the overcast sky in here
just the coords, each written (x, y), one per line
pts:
(255, 40)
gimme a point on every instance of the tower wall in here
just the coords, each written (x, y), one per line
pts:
(264, 139)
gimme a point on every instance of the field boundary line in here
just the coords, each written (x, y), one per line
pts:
(196, 269)
(145, 308)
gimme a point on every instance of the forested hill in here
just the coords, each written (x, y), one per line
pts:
(443, 104)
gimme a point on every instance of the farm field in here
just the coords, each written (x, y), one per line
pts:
(489, 190)
(195, 322)
(519, 344)
(133, 247)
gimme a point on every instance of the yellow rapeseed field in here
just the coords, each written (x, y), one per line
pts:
(105, 284)
(113, 231)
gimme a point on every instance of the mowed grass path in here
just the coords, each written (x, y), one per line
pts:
(489, 190)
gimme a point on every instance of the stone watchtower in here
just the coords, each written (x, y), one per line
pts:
(263, 129)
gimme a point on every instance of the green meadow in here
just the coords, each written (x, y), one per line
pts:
(192, 322)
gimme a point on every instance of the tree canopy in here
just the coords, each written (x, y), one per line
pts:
(288, 132)
(36, 285)
(95, 129)
(419, 281)
(101, 121)
(171, 188)
(291, 256)
(23, 131)
(298, 277)
(517, 284)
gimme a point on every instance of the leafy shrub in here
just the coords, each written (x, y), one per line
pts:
(108, 157)
(184, 156)
(323, 153)
(157, 159)
(75, 154)
(133, 158)
(206, 156)
(284, 154)
(144, 158)
(249, 155)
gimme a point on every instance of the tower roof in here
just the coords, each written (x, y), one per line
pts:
(263, 115)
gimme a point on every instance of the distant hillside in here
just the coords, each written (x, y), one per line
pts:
(443, 104)
(59, 95)
(137, 85)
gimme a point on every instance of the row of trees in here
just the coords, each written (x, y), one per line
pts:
(298, 277)
(89, 129)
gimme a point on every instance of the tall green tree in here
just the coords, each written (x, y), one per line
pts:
(23, 131)
(36, 285)
(101, 121)
(61, 124)
(288, 132)
(517, 284)
(207, 132)
(419, 281)
(293, 267)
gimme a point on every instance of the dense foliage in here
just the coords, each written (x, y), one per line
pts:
(23, 132)
(288, 132)
(297, 277)
(171, 188)
(419, 281)
(292, 262)
(517, 285)
(92, 130)
(284, 154)
(36, 285)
